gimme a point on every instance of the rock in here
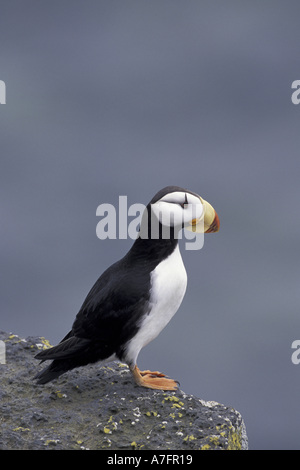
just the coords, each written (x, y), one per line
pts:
(101, 408)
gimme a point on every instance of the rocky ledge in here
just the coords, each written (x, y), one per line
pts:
(101, 408)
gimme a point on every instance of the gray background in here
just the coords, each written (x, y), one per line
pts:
(109, 98)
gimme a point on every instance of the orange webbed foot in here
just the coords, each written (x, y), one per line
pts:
(155, 380)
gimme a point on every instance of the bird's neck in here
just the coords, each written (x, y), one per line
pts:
(154, 242)
(153, 250)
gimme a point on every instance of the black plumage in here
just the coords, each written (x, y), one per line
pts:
(110, 314)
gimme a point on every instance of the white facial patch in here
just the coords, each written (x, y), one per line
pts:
(177, 209)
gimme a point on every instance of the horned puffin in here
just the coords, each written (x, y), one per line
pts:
(135, 298)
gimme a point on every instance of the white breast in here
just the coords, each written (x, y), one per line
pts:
(168, 286)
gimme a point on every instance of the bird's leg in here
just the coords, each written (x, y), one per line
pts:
(155, 380)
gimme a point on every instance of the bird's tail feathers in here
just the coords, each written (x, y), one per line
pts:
(66, 355)
(49, 373)
(66, 349)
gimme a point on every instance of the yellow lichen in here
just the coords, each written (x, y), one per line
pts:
(234, 439)
(205, 447)
(113, 423)
(45, 343)
(136, 446)
(60, 395)
(151, 413)
(17, 340)
(175, 400)
(51, 441)
(214, 440)
(190, 438)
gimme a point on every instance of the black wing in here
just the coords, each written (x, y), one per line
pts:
(107, 320)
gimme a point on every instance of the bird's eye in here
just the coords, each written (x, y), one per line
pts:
(184, 204)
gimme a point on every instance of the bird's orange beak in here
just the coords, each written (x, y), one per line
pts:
(209, 221)
(215, 226)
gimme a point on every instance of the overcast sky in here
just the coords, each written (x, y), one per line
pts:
(111, 98)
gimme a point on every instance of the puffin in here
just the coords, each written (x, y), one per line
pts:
(136, 297)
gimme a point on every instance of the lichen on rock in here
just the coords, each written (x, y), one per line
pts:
(101, 408)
